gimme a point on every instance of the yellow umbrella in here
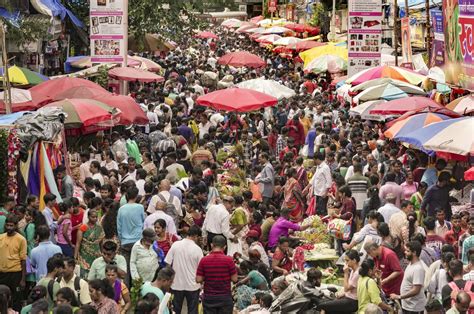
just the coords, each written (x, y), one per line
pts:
(311, 54)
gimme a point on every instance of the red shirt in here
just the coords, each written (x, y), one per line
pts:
(217, 269)
(165, 245)
(76, 219)
(388, 263)
(452, 237)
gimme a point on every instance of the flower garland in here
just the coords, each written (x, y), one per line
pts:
(3, 163)
(12, 164)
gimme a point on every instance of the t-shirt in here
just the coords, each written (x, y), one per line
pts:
(61, 237)
(280, 229)
(446, 291)
(217, 270)
(435, 242)
(184, 257)
(45, 282)
(367, 292)
(13, 251)
(256, 279)
(148, 288)
(389, 263)
(414, 275)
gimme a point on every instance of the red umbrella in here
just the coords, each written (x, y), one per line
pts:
(131, 74)
(305, 45)
(47, 90)
(207, 35)
(242, 59)
(19, 106)
(131, 111)
(469, 174)
(256, 19)
(302, 28)
(237, 99)
(402, 105)
(81, 92)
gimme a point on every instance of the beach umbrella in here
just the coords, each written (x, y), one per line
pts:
(19, 106)
(145, 64)
(49, 89)
(305, 45)
(206, 35)
(131, 74)
(325, 63)
(268, 38)
(412, 123)
(269, 87)
(18, 95)
(231, 23)
(237, 99)
(23, 76)
(406, 87)
(255, 30)
(462, 105)
(363, 110)
(332, 50)
(242, 59)
(245, 26)
(84, 92)
(469, 174)
(384, 71)
(256, 19)
(277, 30)
(131, 112)
(386, 91)
(285, 41)
(401, 106)
(82, 113)
(303, 28)
(451, 136)
(271, 22)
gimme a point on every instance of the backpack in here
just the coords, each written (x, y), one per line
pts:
(455, 290)
(77, 288)
(170, 208)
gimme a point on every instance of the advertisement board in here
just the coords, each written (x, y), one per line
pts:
(364, 35)
(437, 51)
(406, 41)
(107, 31)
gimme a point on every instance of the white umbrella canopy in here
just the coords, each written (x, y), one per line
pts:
(285, 41)
(324, 63)
(404, 86)
(277, 30)
(18, 95)
(256, 30)
(231, 23)
(268, 87)
(272, 38)
(364, 109)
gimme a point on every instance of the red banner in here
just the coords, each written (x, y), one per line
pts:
(272, 6)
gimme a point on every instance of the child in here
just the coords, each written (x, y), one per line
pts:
(65, 229)
(122, 295)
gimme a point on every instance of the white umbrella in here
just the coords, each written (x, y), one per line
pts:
(272, 38)
(231, 23)
(406, 87)
(267, 22)
(324, 63)
(364, 109)
(256, 30)
(268, 87)
(277, 30)
(285, 41)
(18, 95)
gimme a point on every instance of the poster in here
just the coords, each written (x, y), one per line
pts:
(364, 35)
(406, 41)
(272, 6)
(458, 24)
(437, 51)
(107, 31)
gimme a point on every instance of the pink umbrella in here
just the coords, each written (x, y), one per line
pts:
(256, 19)
(48, 90)
(403, 105)
(469, 174)
(242, 59)
(131, 111)
(237, 99)
(84, 92)
(207, 35)
(131, 74)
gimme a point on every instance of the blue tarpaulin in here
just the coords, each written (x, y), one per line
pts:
(10, 119)
(59, 10)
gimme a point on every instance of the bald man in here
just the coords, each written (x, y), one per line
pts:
(160, 214)
(461, 306)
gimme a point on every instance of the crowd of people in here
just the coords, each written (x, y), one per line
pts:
(151, 218)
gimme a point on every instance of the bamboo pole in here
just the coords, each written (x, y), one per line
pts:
(6, 76)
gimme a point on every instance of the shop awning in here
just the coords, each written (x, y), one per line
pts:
(55, 8)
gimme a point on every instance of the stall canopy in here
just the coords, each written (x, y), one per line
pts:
(237, 99)
(131, 74)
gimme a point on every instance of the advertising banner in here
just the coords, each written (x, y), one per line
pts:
(272, 6)
(437, 51)
(364, 35)
(459, 38)
(406, 41)
(107, 31)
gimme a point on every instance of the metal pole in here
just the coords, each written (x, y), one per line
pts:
(125, 39)
(428, 31)
(395, 31)
(332, 28)
(6, 76)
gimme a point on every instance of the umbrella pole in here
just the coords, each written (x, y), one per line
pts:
(6, 77)
(395, 31)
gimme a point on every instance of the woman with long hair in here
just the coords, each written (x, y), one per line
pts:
(87, 247)
(102, 295)
(121, 292)
(6, 300)
(346, 301)
(66, 296)
(109, 220)
(164, 240)
(417, 198)
(413, 228)
(292, 195)
(368, 290)
(372, 202)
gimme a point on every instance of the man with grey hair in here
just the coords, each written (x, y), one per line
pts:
(160, 213)
(389, 208)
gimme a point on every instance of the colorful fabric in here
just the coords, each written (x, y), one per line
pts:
(90, 248)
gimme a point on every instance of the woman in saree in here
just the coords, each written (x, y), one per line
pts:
(89, 237)
(293, 198)
(252, 283)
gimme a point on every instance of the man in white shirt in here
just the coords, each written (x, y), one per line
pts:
(217, 222)
(124, 174)
(84, 168)
(204, 125)
(389, 208)
(184, 257)
(118, 144)
(321, 182)
(198, 88)
(159, 213)
(76, 284)
(94, 170)
(140, 181)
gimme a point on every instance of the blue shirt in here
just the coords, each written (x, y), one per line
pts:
(130, 221)
(40, 255)
(310, 139)
(148, 288)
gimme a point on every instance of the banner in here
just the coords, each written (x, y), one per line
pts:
(364, 35)
(272, 6)
(459, 38)
(406, 41)
(437, 51)
(107, 31)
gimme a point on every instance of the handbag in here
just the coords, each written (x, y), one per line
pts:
(340, 228)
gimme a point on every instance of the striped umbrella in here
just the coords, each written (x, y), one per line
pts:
(385, 71)
(412, 123)
(324, 63)
(451, 136)
(23, 76)
(462, 105)
(82, 113)
(285, 41)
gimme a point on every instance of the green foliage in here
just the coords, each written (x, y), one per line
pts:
(29, 31)
(102, 77)
(3, 164)
(135, 291)
(318, 10)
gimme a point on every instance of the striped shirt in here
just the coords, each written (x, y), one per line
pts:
(217, 269)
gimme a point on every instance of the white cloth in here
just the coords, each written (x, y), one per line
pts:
(322, 179)
(387, 211)
(98, 176)
(217, 221)
(204, 129)
(184, 257)
(109, 166)
(143, 262)
(140, 186)
(170, 225)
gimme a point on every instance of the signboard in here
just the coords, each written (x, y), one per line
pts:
(107, 31)
(458, 24)
(406, 41)
(290, 12)
(364, 35)
(437, 51)
(272, 6)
